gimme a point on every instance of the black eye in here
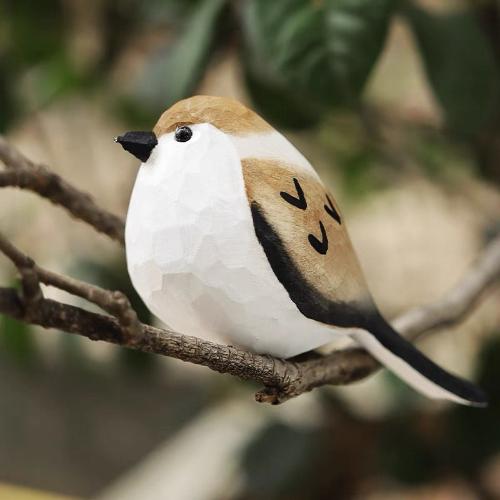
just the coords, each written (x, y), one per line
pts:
(183, 134)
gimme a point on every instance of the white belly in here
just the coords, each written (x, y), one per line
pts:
(194, 259)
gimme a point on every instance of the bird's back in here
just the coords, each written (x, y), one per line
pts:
(303, 234)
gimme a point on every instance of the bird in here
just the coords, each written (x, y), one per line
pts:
(230, 232)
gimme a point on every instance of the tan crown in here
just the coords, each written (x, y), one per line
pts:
(226, 114)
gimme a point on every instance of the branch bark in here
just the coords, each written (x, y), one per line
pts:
(282, 379)
(115, 303)
(24, 174)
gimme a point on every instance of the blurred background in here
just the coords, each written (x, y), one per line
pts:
(396, 103)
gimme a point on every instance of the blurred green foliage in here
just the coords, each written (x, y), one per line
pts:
(322, 52)
(474, 436)
(186, 58)
(17, 340)
(303, 61)
(302, 58)
(35, 31)
(415, 449)
(461, 67)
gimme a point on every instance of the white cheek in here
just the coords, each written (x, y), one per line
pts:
(171, 158)
(186, 173)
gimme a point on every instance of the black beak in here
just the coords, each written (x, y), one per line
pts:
(140, 144)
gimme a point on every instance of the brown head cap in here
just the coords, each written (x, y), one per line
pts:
(226, 114)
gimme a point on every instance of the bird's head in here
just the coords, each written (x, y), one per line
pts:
(192, 124)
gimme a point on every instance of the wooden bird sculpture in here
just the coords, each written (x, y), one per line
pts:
(230, 231)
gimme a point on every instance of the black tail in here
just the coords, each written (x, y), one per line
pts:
(401, 357)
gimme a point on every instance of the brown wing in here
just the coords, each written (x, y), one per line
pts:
(306, 243)
(300, 227)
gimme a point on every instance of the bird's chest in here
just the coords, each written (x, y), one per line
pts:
(191, 247)
(190, 220)
(202, 227)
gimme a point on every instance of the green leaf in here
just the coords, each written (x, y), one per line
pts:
(279, 104)
(322, 51)
(35, 30)
(460, 65)
(356, 32)
(173, 72)
(48, 81)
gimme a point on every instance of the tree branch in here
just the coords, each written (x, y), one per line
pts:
(24, 174)
(283, 379)
(115, 303)
(459, 301)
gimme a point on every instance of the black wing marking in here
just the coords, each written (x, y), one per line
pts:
(320, 246)
(330, 210)
(299, 202)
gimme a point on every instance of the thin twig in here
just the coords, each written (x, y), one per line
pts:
(459, 301)
(11, 157)
(113, 302)
(24, 174)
